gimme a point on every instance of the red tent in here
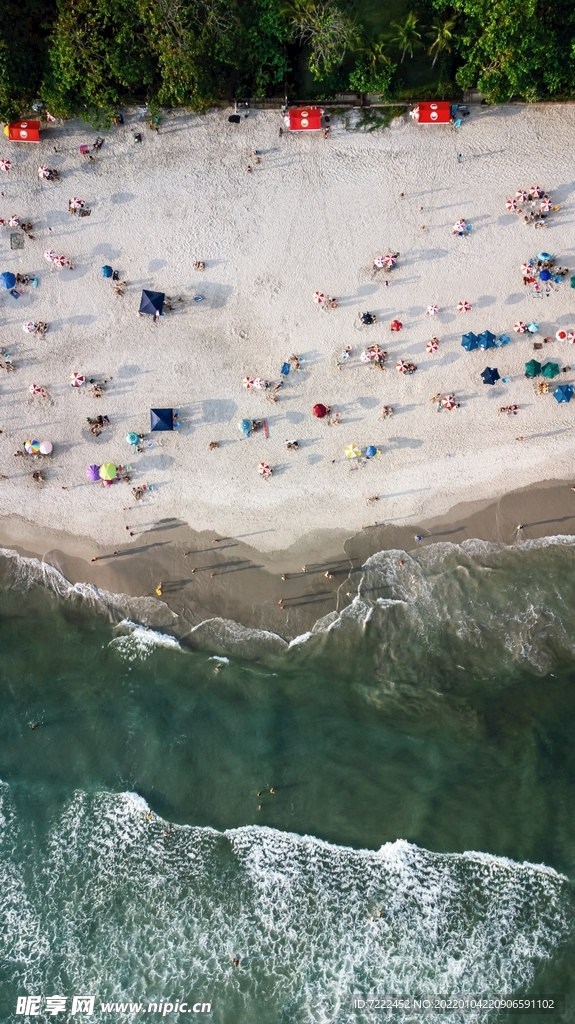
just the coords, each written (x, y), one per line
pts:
(23, 131)
(308, 119)
(433, 113)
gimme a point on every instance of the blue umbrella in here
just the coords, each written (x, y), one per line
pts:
(106, 271)
(8, 279)
(469, 341)
(564, 392)
(486, 340)
(533, 328)
(370, 451)
(132, 437)
(544, 256)
(245, 426)
(490, 375)
(544, 275)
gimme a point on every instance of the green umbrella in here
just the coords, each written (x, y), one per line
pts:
(550, 370)
(108, 471)
(532, 368)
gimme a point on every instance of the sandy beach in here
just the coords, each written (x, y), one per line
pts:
(312, 215)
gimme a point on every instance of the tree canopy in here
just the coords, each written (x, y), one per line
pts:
(89, 56)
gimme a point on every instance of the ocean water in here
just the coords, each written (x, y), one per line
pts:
(264, 830)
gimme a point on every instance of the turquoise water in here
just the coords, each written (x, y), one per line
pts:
(435, 716)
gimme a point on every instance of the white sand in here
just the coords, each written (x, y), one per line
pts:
(312, 215)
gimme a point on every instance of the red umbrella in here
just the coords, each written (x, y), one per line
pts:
(396, 325)
(319, 411)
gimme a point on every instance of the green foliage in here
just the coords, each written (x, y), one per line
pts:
(407, 39)
(325, 29)
(372, 75)
(514, 48)
(23, 29)
(98, 52)
(441, 36)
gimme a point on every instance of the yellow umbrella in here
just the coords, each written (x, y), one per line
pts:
(108, 471)
(352, 451)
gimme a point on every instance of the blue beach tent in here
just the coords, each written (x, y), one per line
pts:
(152, 303)
(470, 341)
(161, 419)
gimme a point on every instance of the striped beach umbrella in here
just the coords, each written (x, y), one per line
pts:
(535, 192)
(448, 402)
(546, 205)
(432, 309)
(389, 260)
(5, 165)
(521, 195)
(432, 346)
(75, 203)
(50, 255)
(463, 306)
(32, 447)
(458, 226)
(319, 297)
(520, 327)
(60, 261)
(352, 451)
(265, 470)
(13, 221)
(379, 262)
(248, 383)
(571, 337)
(35, 389)
(77, 379)
(43, 171)
(401, 366)
(526, 268)
(511, 204)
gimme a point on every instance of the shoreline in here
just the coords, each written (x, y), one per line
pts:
(235, 581)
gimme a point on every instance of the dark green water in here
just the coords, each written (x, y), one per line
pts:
(435, 716)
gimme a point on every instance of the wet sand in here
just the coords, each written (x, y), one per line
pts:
(235, 581)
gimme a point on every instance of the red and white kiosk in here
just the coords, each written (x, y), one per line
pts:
(23, 131)
(305, 119)
(438, 112)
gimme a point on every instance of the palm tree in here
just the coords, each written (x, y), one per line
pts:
(407, 38)
(441, 35)
(375, 55)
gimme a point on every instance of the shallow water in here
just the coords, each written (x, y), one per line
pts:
(435, 716)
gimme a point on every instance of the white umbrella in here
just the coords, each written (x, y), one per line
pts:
(13, 222)
(379, 262)
(75, 203)
(463, 306)
(520, 327)
(43, 171)
(29, 327)
(432, 309)
(77, 379)
(5, 165)
(260, 383)
(458, 226)
(366, 356)
(45, 447)
(50, 255)
(319, 297)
